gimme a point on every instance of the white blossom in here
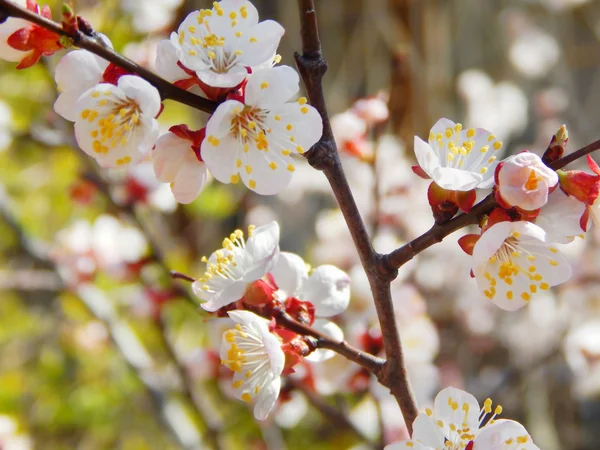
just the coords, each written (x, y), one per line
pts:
(457, 421)
(525, 181)
(239, 263)
(512, 261)
(560, 217)
(222, 42)
(457, 159)
(255, 356)
(117, 125)
(75, 73)
(254, 140)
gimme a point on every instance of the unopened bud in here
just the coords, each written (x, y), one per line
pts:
(259, 292)
(557, 146)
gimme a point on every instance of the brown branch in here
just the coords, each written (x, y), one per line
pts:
(167, 90)
(437, 233)
(324, 156)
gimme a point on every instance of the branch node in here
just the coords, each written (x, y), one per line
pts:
(321, 156)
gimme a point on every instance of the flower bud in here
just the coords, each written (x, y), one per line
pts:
(557, 145)
(524, 181)
(259, 292)
(583, 186)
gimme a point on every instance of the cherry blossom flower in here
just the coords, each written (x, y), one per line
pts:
(176, 159)
(327, 288)
(231, 269)
(524, 181)
(117, 125)
(255, 356)
(457, 159)
(152, 16)
(457, 422)
(167, 64)
(75, 73)
(514, 260)
(220, 43)
(254, 140)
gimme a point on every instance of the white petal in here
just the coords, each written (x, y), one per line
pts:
(330, 329)
(220, 159)
(166, 62)
(454, 406)
(266, 36)
(503, 435)
(263, 249)
(266, 399)
(456, 179)
(290, 273)
(442, 125)
(65, 104)
(262, 177)
(426, 157)
(560, 217)
(271, 87)
(232, 293)
(142, 92)
(231, 78)
(306, 127)
(490, 241)
(79, 70)
(426, 431)
(328, 289)
(407, 445)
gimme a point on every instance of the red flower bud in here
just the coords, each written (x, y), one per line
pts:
(583, 186)
(259, 292)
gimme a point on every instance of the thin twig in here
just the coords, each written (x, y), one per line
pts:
(324, 156)
(167, 90)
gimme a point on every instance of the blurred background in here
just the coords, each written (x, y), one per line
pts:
(101, 349)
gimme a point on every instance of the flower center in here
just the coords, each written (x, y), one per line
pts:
(532, 181)
(117, 119)
(228, 263)
(248, 125)
(249, 359)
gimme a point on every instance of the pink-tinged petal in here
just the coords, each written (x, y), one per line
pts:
(260, 43)
(454, 406)
(166, 62)
(504, 435)
(232, 293)
(142, 92)
(328, 289)
(266, 399)
(168, 155)
(426, 157)
(290, 273)
(190, 180)
(268, 88)
(330, 329)
(427, 432)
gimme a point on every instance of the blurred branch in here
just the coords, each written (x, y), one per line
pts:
(123, 337)
(437, 233)
(337, 418)
(92, 44)
(324, 156)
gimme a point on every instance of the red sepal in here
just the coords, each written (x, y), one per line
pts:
(584, 220)
(112, 73)
(466, 199)
(260, 292)
(444, 205)
(420, 172)
(303, 312)
(467, 243)
(195, 137)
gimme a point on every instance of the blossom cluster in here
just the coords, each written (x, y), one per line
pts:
(224, 54)
(515, 256)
